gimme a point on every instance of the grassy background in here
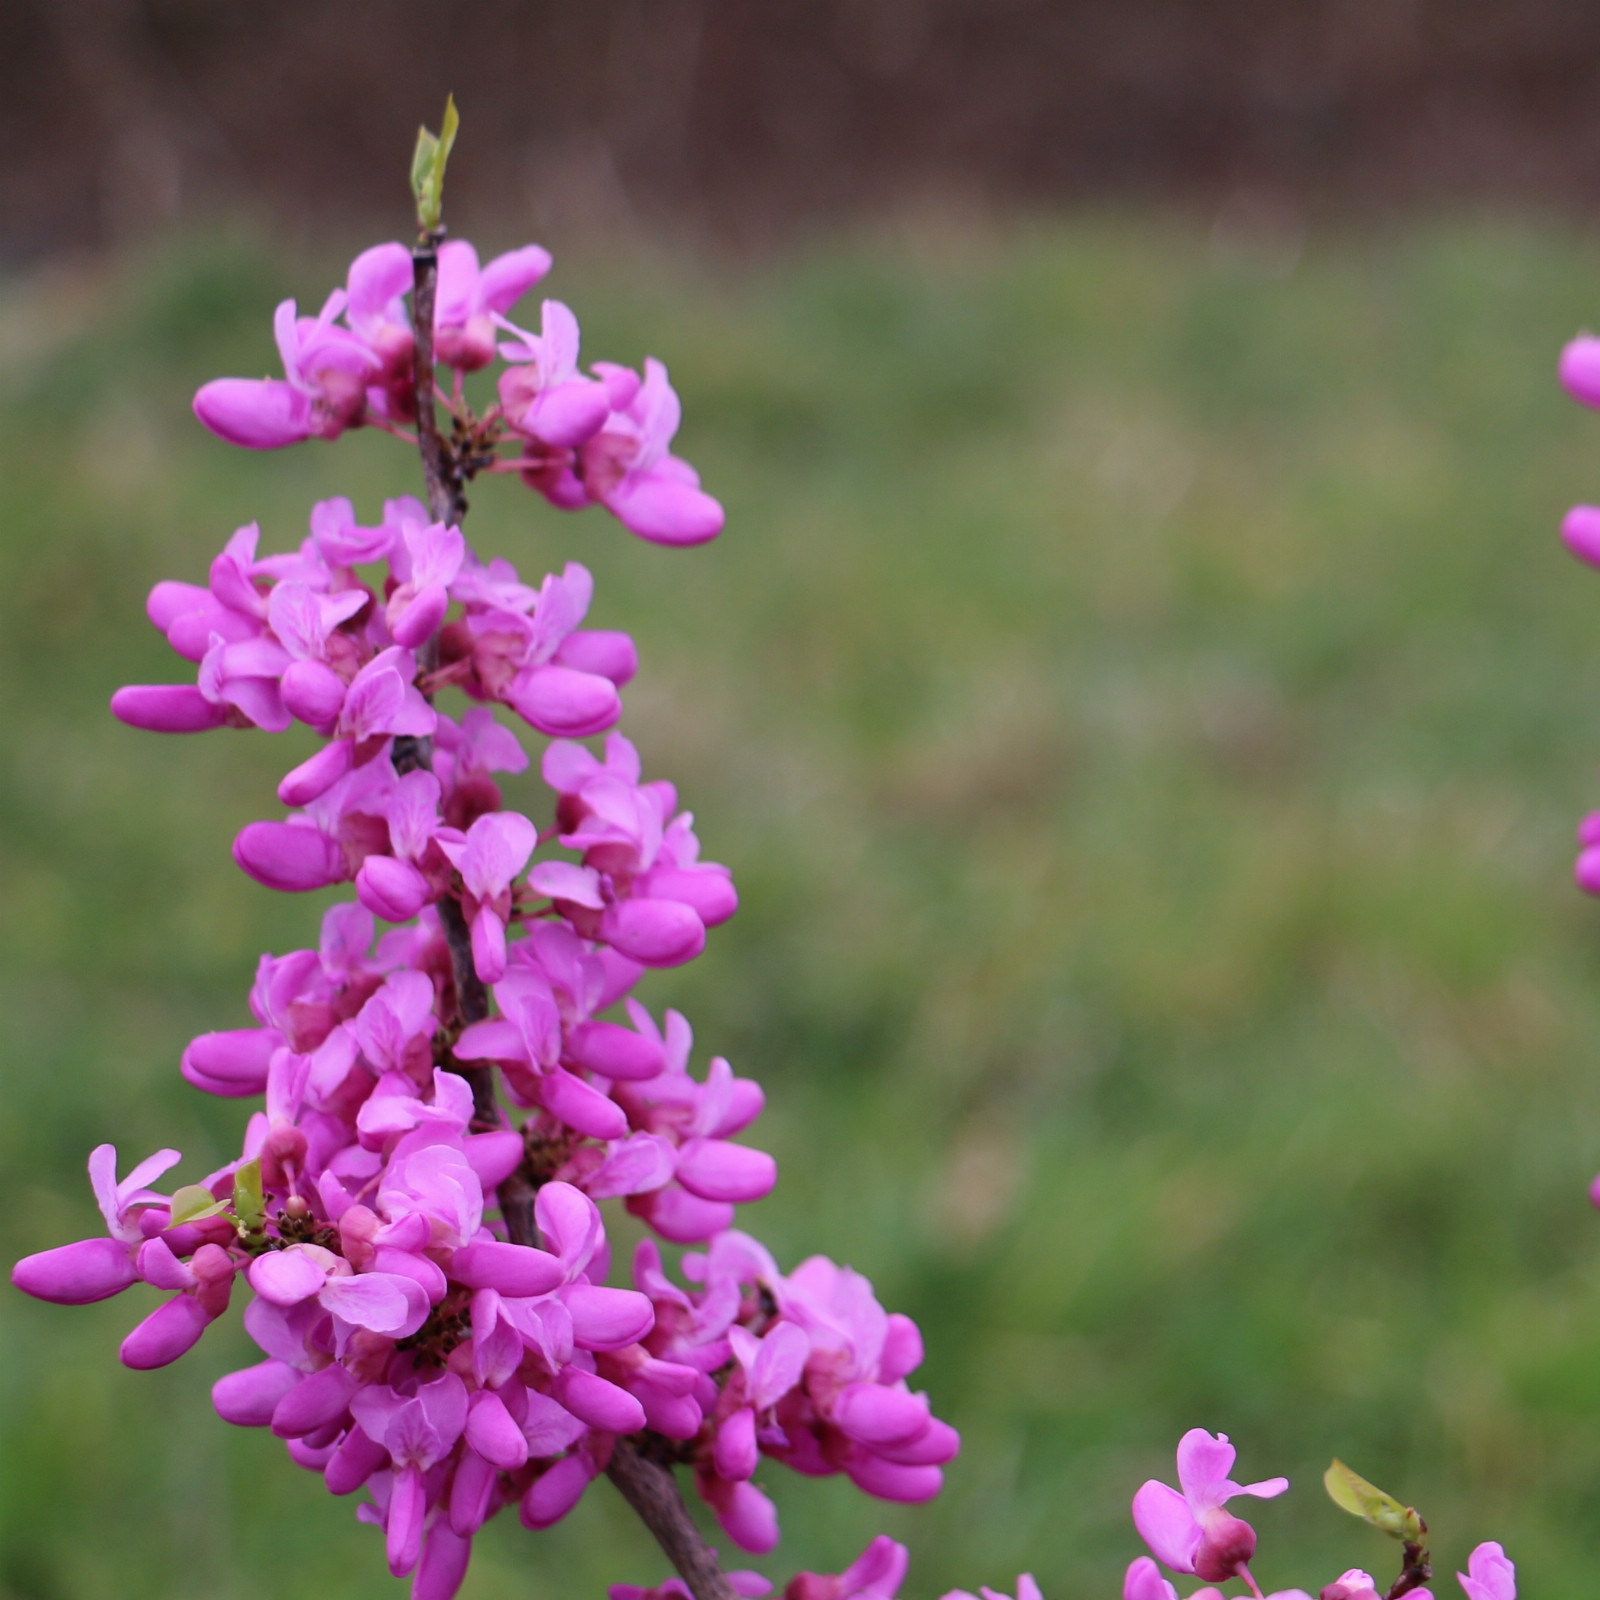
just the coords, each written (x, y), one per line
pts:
(1145, 708)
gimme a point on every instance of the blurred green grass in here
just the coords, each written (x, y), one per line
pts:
(1146, 709)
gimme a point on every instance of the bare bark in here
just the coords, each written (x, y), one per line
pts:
(446, 502)
(651, 1488)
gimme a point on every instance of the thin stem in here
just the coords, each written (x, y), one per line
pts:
(651, 1488)
(445, 500)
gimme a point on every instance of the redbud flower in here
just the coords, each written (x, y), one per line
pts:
(1489, 1575)
(1190, 1531)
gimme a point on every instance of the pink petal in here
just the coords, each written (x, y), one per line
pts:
(563, 703)
(167, 1333)
(257, 413)
(283, 856)
(873, 1414)
(607, 1319)
(249, 1397)
(1165, 1523)
(492, 1433)
(167, 708)
(581, 1106)
(382, 1302)
(601, 651)
(1579, 370)
(1144, 1582)
(443, 1567)
(655, 933)
(391, 889)
(516, 1271)
(717, 1170)
(615, 1052)
(1204, 1462)
(76, 1274)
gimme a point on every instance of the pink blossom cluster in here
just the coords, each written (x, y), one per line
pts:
(1190, 1530)
(446, 1100)
(598, 439)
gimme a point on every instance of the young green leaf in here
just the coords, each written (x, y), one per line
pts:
(1351, 1492)
(249, 1200)
(194, 1201)
(427, 167)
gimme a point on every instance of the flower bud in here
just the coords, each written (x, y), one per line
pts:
(1226, 1544)
(313, 692)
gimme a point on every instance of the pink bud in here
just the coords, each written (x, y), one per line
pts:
(1580, 532)
(233, 1062)
(315, 776)
(492, 1433)
(735, 1454)
(76, 1274)
(313, 692)
(258, 413)
(602, 652)
(391, 889)
(614, 1051)
(555, 1492)
(321, 1399)
(601, 1404)
(166, 708)
(518, 1271)
(563, 703)
(164, 1335)
(714, 1169)
(283, 856)
(443, 1568)
(1586, 870)
(248, 1398)
(1580, 369)
(472, 1493)
(356, 1459)
(494, 1156)
(655, 933)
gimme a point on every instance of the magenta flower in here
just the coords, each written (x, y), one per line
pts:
(875, 1574)
(628, 467)
(418, 1430)
(432, 558)
(1191, 1532)
(1490, 1575)
(1027, 1589)
(95, 1269)
(323, 390)
(543, 395)
(490, 854)
(469, 297)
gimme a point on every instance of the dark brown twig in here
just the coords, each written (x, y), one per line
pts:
(652, 1490)
(649, 1486)
(446, 502)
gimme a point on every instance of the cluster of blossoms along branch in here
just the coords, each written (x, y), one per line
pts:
(413, 1213)
(415, 1209)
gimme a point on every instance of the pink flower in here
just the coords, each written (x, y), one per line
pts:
(468, 298)
(1490, 1575)
(1191, 1532)
(875, 1574)
(1027, 1589)
(491, 853)
(323, 390)
(544, 396)
(629, 469)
